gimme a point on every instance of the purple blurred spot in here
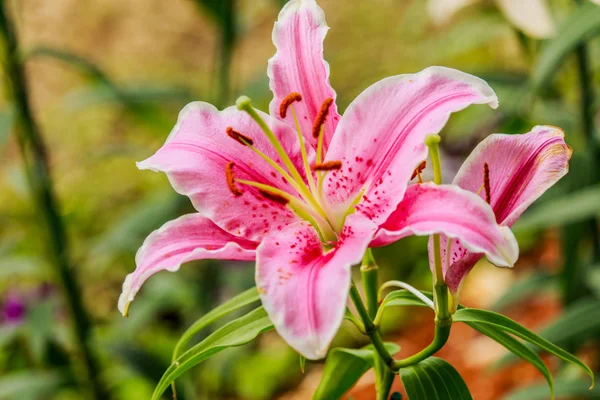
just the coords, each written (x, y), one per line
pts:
(13, 310)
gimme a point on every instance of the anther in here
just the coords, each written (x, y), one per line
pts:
(419, 170)
(239, 137)
(320, 119)
(289, 99)
(273, 197)
(231, 179)
(486, 183)
(327, 166)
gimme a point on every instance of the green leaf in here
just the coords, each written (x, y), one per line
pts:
(580, 321)
(517, 348)
(344, 367)
(399, 298)
(524, 287)
(564, 388)
(30, 384)
(581, 25)
(236, 333)
(573, 207)
(434, 379)
(497, 321)
(241, 300)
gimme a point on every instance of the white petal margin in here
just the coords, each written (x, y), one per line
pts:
(187, 238)
(303, 287)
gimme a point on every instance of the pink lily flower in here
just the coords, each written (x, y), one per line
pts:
(303, 191)
(510, 172)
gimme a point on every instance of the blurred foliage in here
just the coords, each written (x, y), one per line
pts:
(106, 80)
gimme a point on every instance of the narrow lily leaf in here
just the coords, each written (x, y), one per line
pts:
(399, 298)
(344, 367)
(241, 300)
(567, 388)
(517, 348)
(497, 321)
(236, 333)
(434, 379)
(579, 322)
(582, 24)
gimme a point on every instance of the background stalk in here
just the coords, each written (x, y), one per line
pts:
(35, 159)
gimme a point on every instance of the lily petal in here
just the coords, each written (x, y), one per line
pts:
(521, 168)
(298, 66)
(446, 209)
(187, 238)
(379, 140)
(195, 156)
(303, 287)
(533, 17)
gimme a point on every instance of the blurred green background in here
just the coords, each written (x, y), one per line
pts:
(104, 81)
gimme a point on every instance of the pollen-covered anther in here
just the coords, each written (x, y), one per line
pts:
(419, 170)
(320, 119)
(285, 103)
(239, 137)
(486, 183)
(231, 179)
(327, 166)
(273, 197)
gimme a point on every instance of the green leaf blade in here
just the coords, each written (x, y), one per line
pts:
(344, 367)
(434, 379)
(241, 300)
(503, 323)
(236, 333)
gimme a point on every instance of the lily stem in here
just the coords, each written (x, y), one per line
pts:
(34, 154)
(370, 327)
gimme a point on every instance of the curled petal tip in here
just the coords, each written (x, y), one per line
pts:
(127, 296)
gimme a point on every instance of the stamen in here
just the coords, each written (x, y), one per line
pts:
(239, 137)
(418, 171)
(274, 197)
(231, 179)
(486, 183)
(327, 166)
(320, 119)
(289, 99)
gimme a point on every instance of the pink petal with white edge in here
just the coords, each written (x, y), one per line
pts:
(446, 209)
(187, 238)
(380, 137)
(303, 287)
(298, 66)
(195, 156)
(522, 168)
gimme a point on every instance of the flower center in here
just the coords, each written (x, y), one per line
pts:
(308, 201)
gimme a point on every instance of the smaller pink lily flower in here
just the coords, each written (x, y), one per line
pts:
(510, 172)
(304, 191)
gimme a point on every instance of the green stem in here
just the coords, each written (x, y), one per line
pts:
(370, 277)
(442, 332)
(33, 151)
(370, 327)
